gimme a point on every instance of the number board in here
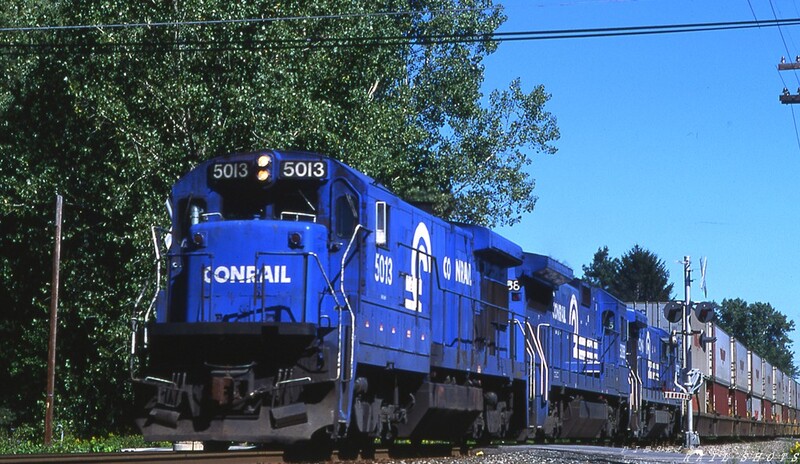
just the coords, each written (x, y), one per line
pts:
(230, 171)
(304, 169)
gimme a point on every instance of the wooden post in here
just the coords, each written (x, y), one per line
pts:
(51, 346)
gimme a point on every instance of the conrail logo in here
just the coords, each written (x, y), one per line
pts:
(276, 274)
(420, 262)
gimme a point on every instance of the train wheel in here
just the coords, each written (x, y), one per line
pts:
(463, 446)
(357, 444)
(216, 446)
(319, 448)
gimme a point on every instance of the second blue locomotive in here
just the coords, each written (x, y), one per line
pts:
(305, 302)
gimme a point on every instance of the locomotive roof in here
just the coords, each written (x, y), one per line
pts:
(547, 269)
(636, 317)
(493, 247)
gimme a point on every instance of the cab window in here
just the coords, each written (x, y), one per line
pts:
(381, 223)
(346, 207)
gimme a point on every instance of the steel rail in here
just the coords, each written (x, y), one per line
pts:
(226, 457)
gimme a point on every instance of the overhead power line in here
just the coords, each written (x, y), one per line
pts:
(222, 22)
(353, 41)
(643, 30)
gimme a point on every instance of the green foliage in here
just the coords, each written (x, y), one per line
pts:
(28, 439)
(642, 277)
(603, 270)
(109, 117)
(762, 329)
(7, 418)
(639, 275)
(794, 453)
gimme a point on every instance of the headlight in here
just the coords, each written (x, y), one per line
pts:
(295, 240)
(198, 239)
(264, 161)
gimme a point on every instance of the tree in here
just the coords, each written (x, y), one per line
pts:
(110, 116)
(642, 277)
(639, 275)
(603, 271)
(761, 329)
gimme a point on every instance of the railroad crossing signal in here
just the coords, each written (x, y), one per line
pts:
(704, 312)
(673, 311)
(694, 380)
(674, 395)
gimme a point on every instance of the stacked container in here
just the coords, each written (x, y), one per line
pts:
(739, 378)
(769, 392)
(780, 394)
(701, 356)
(791, 403)
(720, 371)
(756, 386)
(796, 406)
(797, 402)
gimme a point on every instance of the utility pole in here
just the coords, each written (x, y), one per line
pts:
(51, 346)
(786, 97)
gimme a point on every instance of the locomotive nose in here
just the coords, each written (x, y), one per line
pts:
(254, 271)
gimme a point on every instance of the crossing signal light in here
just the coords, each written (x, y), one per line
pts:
(673, 311)
(704, 312)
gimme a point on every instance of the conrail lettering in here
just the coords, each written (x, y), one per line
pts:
(559, 312)
(247, 274)
(463, 272)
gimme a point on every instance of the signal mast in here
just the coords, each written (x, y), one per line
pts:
(681, 311)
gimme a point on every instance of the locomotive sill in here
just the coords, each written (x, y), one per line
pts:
(154, 382)
(302, 329)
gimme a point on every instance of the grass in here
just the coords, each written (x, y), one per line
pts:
(30, 440)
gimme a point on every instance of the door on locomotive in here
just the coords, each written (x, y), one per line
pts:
(538, 279)
(612, 331)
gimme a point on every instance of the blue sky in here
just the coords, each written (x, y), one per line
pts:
(676, 142)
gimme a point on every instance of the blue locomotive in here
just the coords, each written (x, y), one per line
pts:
(305, 302)
(599, 370)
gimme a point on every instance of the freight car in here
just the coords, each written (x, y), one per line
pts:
(743, 395)
(304, 302)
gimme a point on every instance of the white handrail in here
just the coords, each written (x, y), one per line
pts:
(531, 355)
(349, 309)
(545, 372)
(327, 280)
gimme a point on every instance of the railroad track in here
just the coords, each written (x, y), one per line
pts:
(226, 457)
(223, 457)
(753, 452)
